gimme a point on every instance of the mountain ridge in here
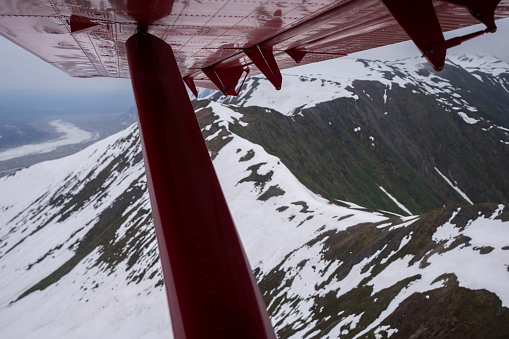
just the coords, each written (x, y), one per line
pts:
(421, 128)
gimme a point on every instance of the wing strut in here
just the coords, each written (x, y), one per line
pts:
(266, 63)
(190, 84)
(210, 287)
(226, 79)
(419, 20)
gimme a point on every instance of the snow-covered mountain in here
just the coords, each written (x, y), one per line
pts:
(78, 256)
(336, 78)
(363, 130)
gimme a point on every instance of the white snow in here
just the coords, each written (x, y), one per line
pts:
(479, 63)
(114, 309)
(456, 188)
(350, 322)
(87, 302)
(212, 136)
(468, 119)
(400, 205)
(387, 329)
(292, 98)
(484, 271)
(87, 297)
(226, 115)
(478, 77)
(473, 270)
(307, 86)
(267, 250)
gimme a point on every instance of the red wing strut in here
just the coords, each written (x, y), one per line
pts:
(211, 289)
(419, 20)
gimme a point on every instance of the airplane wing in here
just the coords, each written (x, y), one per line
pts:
(216, 42)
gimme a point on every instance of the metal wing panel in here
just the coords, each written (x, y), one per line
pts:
(207, 33)
(26, 8)
(49, 39)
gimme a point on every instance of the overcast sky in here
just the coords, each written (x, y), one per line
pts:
(20, 69)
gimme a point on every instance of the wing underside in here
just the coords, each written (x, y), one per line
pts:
(210, 38)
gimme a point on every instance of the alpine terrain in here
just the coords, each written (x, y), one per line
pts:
(371, 197)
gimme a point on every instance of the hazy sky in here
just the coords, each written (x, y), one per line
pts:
(20, 69)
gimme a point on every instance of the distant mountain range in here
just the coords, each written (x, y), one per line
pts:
(39, 125)
(371, 204)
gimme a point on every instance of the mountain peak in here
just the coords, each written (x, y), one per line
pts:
(479, 63)
(307, 86)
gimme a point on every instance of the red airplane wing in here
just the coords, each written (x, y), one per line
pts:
(218, 41)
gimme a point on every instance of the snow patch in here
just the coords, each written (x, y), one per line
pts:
(460, 192)
(400, 205)
(468, 119)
